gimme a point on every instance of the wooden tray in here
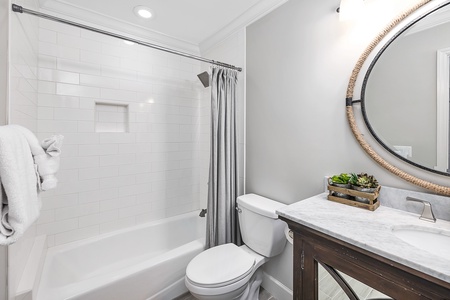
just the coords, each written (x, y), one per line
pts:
(372, 197)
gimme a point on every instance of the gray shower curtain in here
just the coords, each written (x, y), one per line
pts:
(222, 221)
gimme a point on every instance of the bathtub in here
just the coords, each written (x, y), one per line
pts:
(143, 262)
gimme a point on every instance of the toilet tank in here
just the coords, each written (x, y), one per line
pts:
(261, 229)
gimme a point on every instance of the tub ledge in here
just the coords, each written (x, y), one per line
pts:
(29, 281)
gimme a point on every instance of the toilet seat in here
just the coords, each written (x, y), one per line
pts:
(220, 266)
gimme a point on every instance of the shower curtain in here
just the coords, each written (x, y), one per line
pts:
(222, 221)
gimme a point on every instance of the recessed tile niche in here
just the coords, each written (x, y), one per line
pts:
(111, 117)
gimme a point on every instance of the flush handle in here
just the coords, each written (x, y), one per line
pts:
(238, 209)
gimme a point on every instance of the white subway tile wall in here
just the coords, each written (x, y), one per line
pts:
(133, 119)
(23, 110)
(23, 75)
(110, 117)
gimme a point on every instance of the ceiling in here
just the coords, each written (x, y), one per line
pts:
(187, 21)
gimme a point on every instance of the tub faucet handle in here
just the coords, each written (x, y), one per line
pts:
(202, 213)
(427, 213)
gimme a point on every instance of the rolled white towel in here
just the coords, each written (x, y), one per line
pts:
(52, 145)
(46, 157)
(47, 166)
(48, 163)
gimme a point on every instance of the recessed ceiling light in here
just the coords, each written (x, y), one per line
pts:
(128, 42)
(143, 12)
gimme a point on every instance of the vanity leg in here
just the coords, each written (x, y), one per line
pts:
(305, 271)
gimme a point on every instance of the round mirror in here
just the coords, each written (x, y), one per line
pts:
(401, 104)
(402, 75)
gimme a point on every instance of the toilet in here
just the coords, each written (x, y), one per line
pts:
(231, 272)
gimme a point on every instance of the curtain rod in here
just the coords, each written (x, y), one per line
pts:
(20, 9)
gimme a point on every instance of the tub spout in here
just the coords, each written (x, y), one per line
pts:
(203, 213)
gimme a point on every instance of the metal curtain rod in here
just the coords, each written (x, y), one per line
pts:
(20, 9)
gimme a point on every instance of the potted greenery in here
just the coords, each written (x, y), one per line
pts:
(363, 183)
(342, 180)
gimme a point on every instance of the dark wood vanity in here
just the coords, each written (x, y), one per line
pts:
(389, 277)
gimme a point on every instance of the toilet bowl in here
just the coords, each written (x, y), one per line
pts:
(222, 272)
(230, 272)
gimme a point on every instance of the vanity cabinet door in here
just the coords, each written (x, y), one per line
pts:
(312, 248)
(336, 285)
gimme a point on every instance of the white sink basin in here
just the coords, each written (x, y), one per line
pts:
(432, 240)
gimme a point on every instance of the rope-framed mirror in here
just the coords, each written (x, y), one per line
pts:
(367, 60)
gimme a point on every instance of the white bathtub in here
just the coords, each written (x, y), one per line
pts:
(142, 262)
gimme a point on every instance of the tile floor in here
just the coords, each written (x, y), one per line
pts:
(263, 295)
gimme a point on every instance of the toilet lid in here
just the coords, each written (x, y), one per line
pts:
(219, 266)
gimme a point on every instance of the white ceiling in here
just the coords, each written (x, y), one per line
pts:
(187, 21)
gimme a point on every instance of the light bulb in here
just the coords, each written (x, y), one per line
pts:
(143, 12)
(350, 9)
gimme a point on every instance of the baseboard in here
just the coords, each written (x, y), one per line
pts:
(276, 288)
(29, 282)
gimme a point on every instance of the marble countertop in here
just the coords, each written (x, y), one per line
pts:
(371, 231)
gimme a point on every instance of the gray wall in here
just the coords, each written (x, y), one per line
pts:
(299, 60)
(4, 8)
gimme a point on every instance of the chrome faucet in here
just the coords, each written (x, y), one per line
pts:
(427, 213)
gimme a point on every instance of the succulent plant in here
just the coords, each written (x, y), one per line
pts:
(342, 178)
(353, 179)
(363, 180)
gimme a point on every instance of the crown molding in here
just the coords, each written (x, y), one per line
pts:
(254, 13)
(91, 18)
(72, 12)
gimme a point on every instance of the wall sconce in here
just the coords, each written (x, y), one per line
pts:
(349, 9)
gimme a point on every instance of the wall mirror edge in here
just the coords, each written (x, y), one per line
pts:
(433, 181)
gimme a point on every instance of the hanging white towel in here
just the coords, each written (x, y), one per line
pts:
(21, 203)
(5, 227)
(26, 168)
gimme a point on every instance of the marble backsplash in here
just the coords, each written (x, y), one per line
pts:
(396, 198)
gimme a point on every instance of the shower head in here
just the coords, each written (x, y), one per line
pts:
(204, 78)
